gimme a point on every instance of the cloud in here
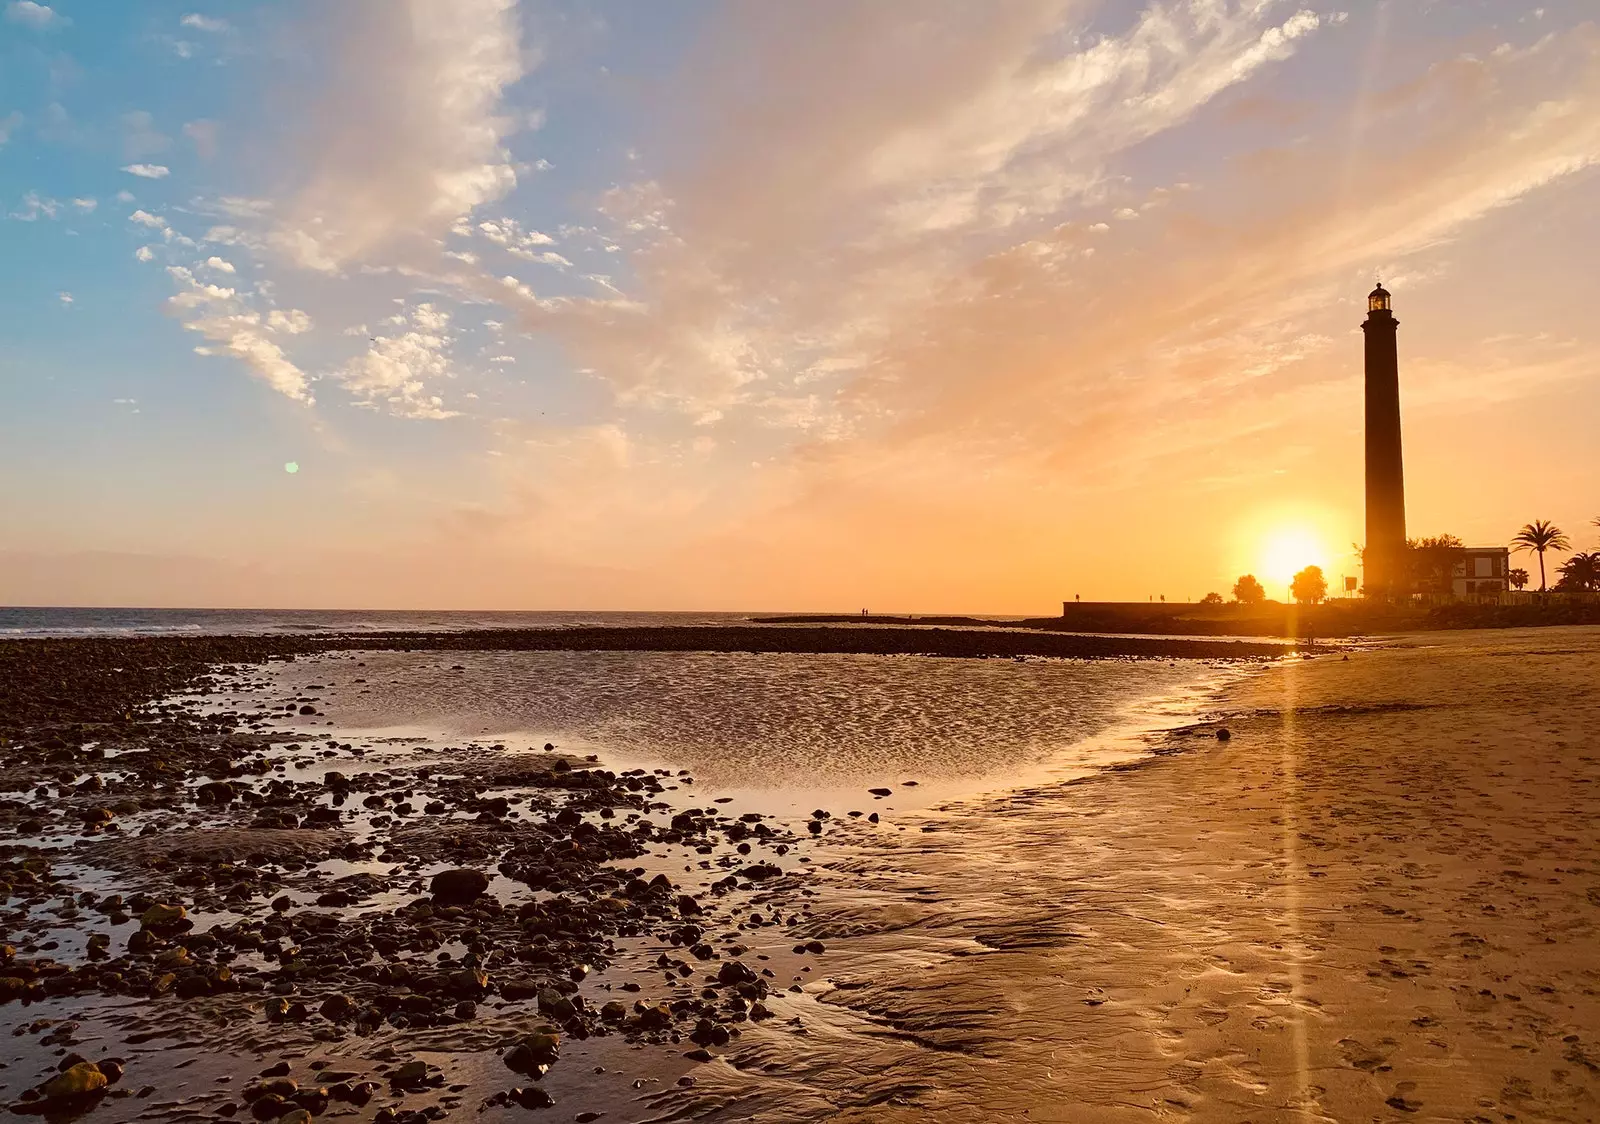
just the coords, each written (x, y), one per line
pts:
(8, 125)
(64, 297)
(223, 317)
(156, 222)
(204, 23)
(147, 171)
(396, 372)
(824, 213)
(86, 204)
(41, 17)
(413, 139)
(219, 264)
(292, 322)
(36, 206)
(144, 253)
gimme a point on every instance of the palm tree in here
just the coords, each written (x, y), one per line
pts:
(1581, 572)
(1518, 578)
(1540, 535)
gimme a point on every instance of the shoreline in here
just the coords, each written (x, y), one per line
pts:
(1377, 900)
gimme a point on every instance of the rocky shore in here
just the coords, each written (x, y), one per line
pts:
(268, 892)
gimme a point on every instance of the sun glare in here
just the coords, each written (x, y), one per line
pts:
(1285, 552)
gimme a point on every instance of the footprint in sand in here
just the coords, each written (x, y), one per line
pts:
(1358, 1055)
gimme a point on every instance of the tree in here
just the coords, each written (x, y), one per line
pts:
(1211, 599)
(1309, 586)
(1432, 561)
(1518, 578)
(1539, 536)
(1248, 591)
(1580, 573)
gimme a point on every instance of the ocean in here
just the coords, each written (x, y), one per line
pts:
(43, 621)
(47, 621)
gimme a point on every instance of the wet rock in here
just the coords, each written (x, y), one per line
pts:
(160, 918)
(337, 1008)
(533, 1097)
(534, 1053)
(735, 972)
(79, 1080)
(556, 1005)
(411, 1073)
(460, 886)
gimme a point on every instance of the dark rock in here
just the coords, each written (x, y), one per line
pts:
(460, 886)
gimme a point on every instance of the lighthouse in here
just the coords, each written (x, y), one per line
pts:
(1385, 558)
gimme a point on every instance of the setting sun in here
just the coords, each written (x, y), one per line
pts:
(1285, 552)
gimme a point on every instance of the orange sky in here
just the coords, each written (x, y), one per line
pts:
(960, 312)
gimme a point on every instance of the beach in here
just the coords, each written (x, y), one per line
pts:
(1375, 898)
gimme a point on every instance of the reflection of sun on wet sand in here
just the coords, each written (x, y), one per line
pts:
(1378, 900)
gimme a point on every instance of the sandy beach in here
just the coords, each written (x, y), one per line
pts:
(1377, 900)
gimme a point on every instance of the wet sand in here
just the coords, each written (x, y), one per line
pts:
(1377, 901)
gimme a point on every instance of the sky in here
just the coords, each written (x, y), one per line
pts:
(913, 306)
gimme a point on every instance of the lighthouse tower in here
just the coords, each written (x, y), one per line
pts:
(1384, 562)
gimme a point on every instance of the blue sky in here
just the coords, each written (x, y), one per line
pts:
(698, 305)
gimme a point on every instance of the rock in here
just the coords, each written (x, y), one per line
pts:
(460, 886)
(268, 1107)
(412, 1073)
(160, 917)
(337, 1008)
(111, 1069)
(296, 1116)
(1223, 733)
(735, 972)
(760, 872)
(881, 791)
(531, 1098)
(614, 1011)
(78, 1081)
(556, 1005)
(534, 1052)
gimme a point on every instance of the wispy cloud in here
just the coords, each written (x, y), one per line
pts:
(225, 318)
(41, 17)
(148, 171)
(414, 138)
(204, 23)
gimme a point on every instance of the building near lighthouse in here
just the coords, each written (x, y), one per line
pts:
(1384, 561)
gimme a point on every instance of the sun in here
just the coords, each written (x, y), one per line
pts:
(1285, 551)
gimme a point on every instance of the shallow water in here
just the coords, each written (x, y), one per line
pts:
(774, 730)
(910, 1010)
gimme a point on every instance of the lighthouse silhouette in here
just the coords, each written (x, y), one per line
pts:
(1385, 557)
